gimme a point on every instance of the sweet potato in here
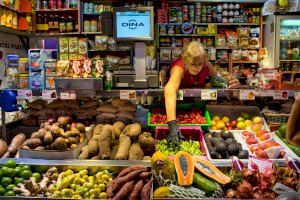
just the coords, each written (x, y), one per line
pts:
(17, 155)
(3, 147)
(97, 157)
(125, 115)
(93, 148)
(134, 130)
(59, 144)
(109, 191)
(135, 152)
(98, 128)
(106, 116)
(131, 169)
(129, 177)
(33, 143)
(48, 138)
(104, 149)
(39, 135)
(40, 148)
(147, 190)
(83, 155)
(145, 175)
(25, 147)
(16, 142)
(124, 147)
(124, 191)
(113, 151)
(6, 155)
(117, 102)
(127, 108)
(107, 108)
(135, 194)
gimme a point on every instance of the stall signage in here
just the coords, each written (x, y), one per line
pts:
(280, 95)
(49, 94)
(209, 94)
(127, 94)
(247, 94)
(179, 95)
(68, 95)
(24, 94)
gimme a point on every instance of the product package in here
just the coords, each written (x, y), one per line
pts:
(36, 80)
(165, 55)
(63, 45)
(97, 67)
(62, 68)
(73, 44)
(101, 42)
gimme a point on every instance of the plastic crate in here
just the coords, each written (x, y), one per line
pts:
(186, 106)
(189, 132)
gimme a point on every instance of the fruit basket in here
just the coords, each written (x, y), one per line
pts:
(192, 114)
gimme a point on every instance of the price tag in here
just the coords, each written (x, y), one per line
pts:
(280, 95)
(296, 94)
(209, 94)
(127, 94)
(49, 94)
(68, 95)
(266, 93)
(247, 94)
(179, 95)
(24, 94)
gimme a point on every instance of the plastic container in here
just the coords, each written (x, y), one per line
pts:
(189, 132)
(185, 106)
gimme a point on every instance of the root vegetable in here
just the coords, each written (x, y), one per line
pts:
(55, 130)
(109, 191)
(93, 148)
(40, 148)
(146, 141)
(131, 169)
(125, 115)
(147, 190)
(62, 121)
(124, 147)
(128, 177)
(73, 146)
(117, 102)
(48, 138)
(16, 142)
(80, 127)
(119, 125)
(145, 175)
(74, 140)
(6, 155)
(97, 157)
(135, 152)
(17, 155)
(124, 191)
(3, 147)
(25, 147)
(39, 135)
(146, 158)
(83, 155)
(59, 144)
(113, 151)
(33, 143)
(135, 194)
(97, 130)
(134, 130)
(104, 149)
(107, 108)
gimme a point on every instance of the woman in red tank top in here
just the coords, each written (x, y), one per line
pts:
(188, 71)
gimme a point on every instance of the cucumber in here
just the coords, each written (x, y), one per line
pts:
(204, 184)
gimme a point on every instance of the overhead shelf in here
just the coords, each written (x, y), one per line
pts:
(217, 24)
(4, 29)
(185, 35)
(226, 1)
(57, 10)
(12, 9)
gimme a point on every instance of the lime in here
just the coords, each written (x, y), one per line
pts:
(37, 176)
(2, 191)
(18, 180)
(1, 174)
(26, 174)
(10, 187)
(10, 193)
(277, 132)
(10, 163)
(245, 116)
(10, 172)
(26, 167)
(18, 171)
(282, 130)
(3, 169)
(41, 168)
(6, 181)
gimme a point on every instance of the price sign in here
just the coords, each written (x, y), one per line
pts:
(49, 94)
(127, 94)
(179, 95)
(24, 94)
(247, 94)
(296, 94)
(266, 93)
(280, 95)
(209, 94)
(68, 95)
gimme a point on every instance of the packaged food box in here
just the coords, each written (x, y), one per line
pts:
(50, 67)
(82, 43)
(73, 44)
(36, 80)
(97, 67)
(73, 56)
(80, 68)
(24, 81)
(81, 56)
(64, 56)
(23, 65)
(62, 68)
(50, 82)
(35, 60)
(63, 45)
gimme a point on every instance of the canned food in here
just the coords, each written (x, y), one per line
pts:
(96, 9)
(177, 29)
(192, 18)
(203, 19)
(198, 5)
(208, 10)
(91, 8)
(86, 8)
(219, 17)
(197, 19)
(203, 10)
(197, 13)
(191, 9)
(185, 17)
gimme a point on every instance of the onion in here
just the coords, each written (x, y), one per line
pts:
(245, 190)
(230, 193)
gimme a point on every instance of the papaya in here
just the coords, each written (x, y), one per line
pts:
(209, 170)
(184, 165)
(205, 184)
(160, 162)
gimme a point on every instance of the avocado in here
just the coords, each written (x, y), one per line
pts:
(243, 154)
(225, 155)
(215, 134)
(229, 141)
(214, 140)
(226, 134)
(233, 149)
(221, 146)
(240, 147)
(214, 155)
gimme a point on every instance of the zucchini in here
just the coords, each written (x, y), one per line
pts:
(204, 184)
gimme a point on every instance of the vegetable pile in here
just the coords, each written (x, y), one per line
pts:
(11, 151)
(61, 136)
(191, 146)
(132, 183)
(118, 142)
(193, 116)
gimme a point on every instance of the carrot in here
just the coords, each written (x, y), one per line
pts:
(124, 191)
(145, 175)
(146, 190)
(118, 182)
(130, 169)
(135, 194)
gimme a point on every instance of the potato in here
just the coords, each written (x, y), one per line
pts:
(55, 130)
(3, 147)
(124, 147)
(16, 142)
(48, 138)
(84, 148)
(62, 121)
(84, 155)
(74, 140)
(80, 127)
(47, 127)
(74, 146)
(93, 147)
(40, 148)
(134, 130)
(33, 143)
(59, 144)
(39, 135)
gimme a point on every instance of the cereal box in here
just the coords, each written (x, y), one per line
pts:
(50, 82)
(63, 45)
(73, 56)
(73, 44)
(64, 56)
(82, 46)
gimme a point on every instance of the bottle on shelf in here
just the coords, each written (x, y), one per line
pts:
(67, 4)
(39, 24)
(70, 24)
(62, 25)
(295, 67)
(289, 51)
(56, 24)
(45, 4)
(45, 24)
(51, 4)
(59, 4)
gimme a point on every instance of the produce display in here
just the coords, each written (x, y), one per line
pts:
(62, 135)
(118, 142)
(223, 145)
(11, 151)
(281, 132)
(192, 147)
(244, 122)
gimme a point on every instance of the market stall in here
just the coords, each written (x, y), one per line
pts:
(84, 114)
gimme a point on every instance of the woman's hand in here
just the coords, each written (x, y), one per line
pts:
(234, 83)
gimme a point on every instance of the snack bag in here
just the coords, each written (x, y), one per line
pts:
(75, 69)
(231, 37)
(98, 67)
(221, 40)
(62, 68)
(86, 69)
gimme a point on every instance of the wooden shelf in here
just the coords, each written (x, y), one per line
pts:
(55, 34)
(289, 60)
(185, 35)
(4, 29)
(58, 10)
(243, 62)
(217, 24)
(9, 8)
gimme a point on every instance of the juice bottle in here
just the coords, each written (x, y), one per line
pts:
(62, 25)
(45, 24)
(50, 23)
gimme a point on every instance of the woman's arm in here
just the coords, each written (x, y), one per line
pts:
(171, 90)
(212, 71)
(293, 124)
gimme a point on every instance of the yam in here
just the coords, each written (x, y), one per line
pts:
(126, 115)
(6, 155)
(134, 130)
(127, 108)
(117, 102)
(124, 147)
(48, 138)
(33, 143)
(84, 155)
(84, 148)
(25, 147)
(80, 127)
(104, 149)
(93, 148)
(37, 135)
(16, 142)
(112, 130)
(17, 155)
(98, 128)
(118, 127)
(106, 116)
(62, 121)
(107, 108)
(136, 152)
(113, 151)
(40, 148)
(73, 146)
(97, 157)
(59, 144)
(89, 104)
(3, 147)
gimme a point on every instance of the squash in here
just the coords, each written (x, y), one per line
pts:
(161, 163)
(208, 169)
(184, 165)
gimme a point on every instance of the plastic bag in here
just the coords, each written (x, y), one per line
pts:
(231, 37)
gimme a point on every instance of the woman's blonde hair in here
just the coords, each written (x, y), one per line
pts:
(193, 51)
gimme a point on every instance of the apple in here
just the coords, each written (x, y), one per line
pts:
(233, 123)
(257, 120)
